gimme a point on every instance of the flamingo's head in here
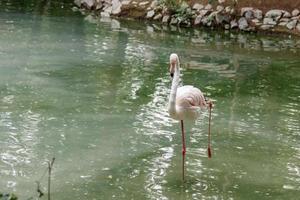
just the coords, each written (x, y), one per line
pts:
(174, 63)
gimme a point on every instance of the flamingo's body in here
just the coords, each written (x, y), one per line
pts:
(185, 102)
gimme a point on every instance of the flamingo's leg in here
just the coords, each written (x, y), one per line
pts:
(183, 148)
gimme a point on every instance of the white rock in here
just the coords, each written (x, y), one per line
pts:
(198, 20)
(108, 9)
(166, 19)
(269, 21)
(208, 7)
(221, 1)
(126, 2)
(257, 14)
(266, 27)
(157, 17)
(150, 14)
(204, 12)
(227, 26)
(77, 3)
(227, 9)
(99, 6)
(274, 13)
(116, 7)
(154, 4)
(88, 3)
(295, 12)
(256, 22)
(284, 20)
(198, 6)
(245, 9)
(220, 8)
(249, 14)
(243, 24)
(174, 20)
(292, 24)
(144, 3)
(286, 14)
(298, 27)
(282, 24)
(233, 24)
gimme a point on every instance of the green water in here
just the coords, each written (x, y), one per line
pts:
(93, 94)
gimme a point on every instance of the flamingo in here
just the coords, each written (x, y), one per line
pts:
(185, 103)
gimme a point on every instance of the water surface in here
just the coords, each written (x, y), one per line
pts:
(93, 94)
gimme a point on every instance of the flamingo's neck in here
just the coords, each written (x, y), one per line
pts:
(175, 83)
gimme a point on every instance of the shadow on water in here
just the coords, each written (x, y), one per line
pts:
(93, 92)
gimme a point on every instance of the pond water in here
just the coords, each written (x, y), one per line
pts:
(93, 94)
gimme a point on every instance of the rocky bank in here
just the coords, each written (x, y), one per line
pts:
(220, 14)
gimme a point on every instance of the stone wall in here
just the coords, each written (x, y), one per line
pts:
(220, 15)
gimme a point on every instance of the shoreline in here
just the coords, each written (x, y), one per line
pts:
(221, 14)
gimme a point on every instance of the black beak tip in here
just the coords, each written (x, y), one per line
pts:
(172, 74)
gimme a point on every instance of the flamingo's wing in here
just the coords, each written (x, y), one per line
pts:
(189, 96)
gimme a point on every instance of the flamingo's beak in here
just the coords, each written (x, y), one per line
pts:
(171, 74)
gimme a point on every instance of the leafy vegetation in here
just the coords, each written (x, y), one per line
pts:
(6, 196)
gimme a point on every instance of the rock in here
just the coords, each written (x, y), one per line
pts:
(78, 3)
(227, 9)
(249, 14)
(286, 14)
(204, 12)
(88, 3)
(208, 7)
(222, 18)
(269, 21)
(108, 9)
(126, 2)
(257, 14)
(144, 3)
(233, 24)
(266, 27)
(298, 27)
(243, 24)
(295, 12)
(296, 17)
(256, 22)
(198, 20)
(154, 4)
(284, 20)
(99, 6)
(165, 19)
(233, 11)
(116, 7)
(173, 21)
(205, 21)
(227, 26)
(220, 8)
(282, 24)
(197, 6)
(150, 14)
(245, 9)
(274, 14)
(292, 24)
(157, 17)
(221, 1)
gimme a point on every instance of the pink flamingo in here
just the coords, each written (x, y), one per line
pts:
(185, 102)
